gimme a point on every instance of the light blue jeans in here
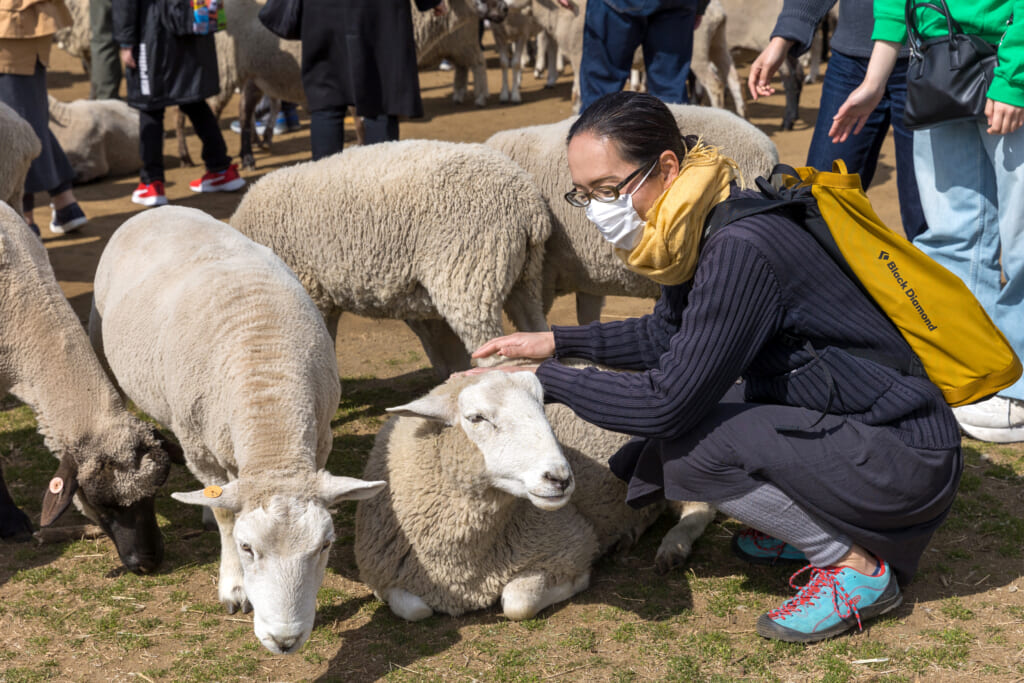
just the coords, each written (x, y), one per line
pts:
(972, 192)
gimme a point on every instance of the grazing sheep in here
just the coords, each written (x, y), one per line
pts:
(20, 145)
(481, 504)
(576, 258)
(439, 234)
(113, 461)
(456, 37)
(100, 137)
(214, 337)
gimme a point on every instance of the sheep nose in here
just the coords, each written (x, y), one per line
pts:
(561, 482)
(285, 643)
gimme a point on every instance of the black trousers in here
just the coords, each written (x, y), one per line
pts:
(327, 130)
(151, 139)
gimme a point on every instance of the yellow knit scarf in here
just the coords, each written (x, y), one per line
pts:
(668, 250)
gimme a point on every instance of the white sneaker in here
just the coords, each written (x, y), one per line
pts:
(997, 420)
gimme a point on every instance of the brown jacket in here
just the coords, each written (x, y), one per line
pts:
(26, 31)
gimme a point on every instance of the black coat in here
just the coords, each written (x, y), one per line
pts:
(362, 53)
(171, 69)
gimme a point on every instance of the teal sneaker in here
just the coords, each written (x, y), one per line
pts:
(760, 548)
(834, 601)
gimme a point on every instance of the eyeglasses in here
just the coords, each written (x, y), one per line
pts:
(604, 193)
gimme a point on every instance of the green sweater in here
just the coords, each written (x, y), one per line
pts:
(988, 19)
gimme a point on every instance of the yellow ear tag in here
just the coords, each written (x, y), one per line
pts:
(212, 491)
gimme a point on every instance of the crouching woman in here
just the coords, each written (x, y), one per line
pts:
(828, 457)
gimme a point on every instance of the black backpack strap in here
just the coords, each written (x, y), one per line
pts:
(732, 210)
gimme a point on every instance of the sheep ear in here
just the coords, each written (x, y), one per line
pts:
(60, 491)
(212, 496)
(173, 450)
(431, 406)
(331, 490)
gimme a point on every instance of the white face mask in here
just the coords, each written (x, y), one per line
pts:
(618, 222)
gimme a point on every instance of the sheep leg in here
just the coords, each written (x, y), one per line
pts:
(677, 544)
(443, 347)
(246, 110)
(231, 589)
(527, 594)
(723, 61)
(517, 68)
(461, 83)
(14, 524)
(179, 131)
(503, 58)
(405, 605)
(524, 309)
(588, 307)
(268, 131)
(479, 83)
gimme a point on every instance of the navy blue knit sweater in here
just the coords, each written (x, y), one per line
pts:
(760, 283)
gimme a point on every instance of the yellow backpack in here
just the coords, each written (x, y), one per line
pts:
(957, 345)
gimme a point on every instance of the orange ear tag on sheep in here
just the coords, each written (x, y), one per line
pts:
(56, 485)
(212, 492)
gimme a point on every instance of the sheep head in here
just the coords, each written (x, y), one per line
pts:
(282, 543)
(502, 413)
(493, 11)
(116, 484)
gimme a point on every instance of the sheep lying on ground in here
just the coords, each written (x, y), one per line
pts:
(482, 504)
(100, 137)
(576, 258)
(456, 37)
(439, 234)
(214, 337)
(20, 145)
(113, 461)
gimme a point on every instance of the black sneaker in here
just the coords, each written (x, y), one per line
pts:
(68, 219)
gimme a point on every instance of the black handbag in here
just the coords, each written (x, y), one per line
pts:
(948, 76)
(283, 18)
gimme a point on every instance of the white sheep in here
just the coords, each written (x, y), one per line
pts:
(577, 259)
(563, 29)
(113, 461)
(490, 495)
(442, 235)
(510, 38)
(75, 39)
(100, 137)
(456, 37)
(21, 145)
(213, 336)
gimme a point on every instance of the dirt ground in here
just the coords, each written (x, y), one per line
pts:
(66, 612)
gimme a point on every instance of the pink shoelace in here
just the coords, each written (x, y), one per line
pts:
(809, 592)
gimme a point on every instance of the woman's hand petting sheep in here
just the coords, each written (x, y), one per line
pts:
(533, 345)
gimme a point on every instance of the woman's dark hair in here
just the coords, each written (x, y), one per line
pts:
(640, 125)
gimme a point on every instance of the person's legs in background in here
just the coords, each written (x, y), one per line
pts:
(911, 214)
(381, 128)
(221, 175)
(326, 132)
(150, 191)
(609, 41)
(668, 49)
(105, 67)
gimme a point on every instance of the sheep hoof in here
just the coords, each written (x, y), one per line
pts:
(670, 556)
(517, 98)
(407, 606)
(248, 161)
(235, 600)
(503, 97)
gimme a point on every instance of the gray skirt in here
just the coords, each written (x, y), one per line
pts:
(50, 171)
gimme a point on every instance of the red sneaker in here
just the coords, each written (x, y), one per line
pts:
(151, 194)
(227, 180)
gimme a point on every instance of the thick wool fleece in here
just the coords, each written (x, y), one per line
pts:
(20, 146)
(442, 533)
(417, 229)
(47, 362)
(215, 338)
(577, 258)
